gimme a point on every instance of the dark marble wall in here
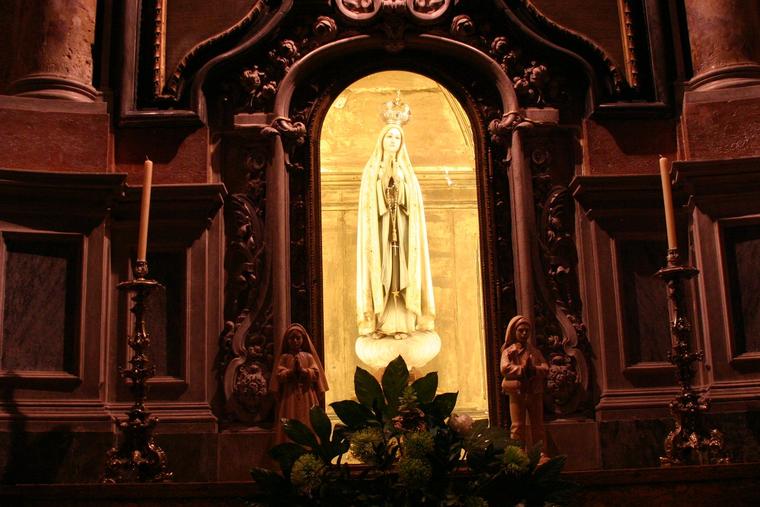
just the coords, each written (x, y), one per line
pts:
(645, 306)
(41, 302)
(165, 312)
(8, 11)
(57, 456)
(640, 443)
(742, 247)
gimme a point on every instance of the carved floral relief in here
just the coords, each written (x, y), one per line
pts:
(558, 306)
(247, 341)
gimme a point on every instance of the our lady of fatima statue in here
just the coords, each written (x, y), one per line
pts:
(394, 287)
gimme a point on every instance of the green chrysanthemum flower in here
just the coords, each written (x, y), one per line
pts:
(414, 472)
(418, 444)
(515, 460)
(306, 474)
(474, 501)
(364, 442)
(408, 398)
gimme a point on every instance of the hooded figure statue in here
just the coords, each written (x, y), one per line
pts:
(394, 289)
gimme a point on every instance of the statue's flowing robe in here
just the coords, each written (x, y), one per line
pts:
(376, 266)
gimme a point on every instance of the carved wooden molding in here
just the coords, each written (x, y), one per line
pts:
(81, 203)
(608, 72)
(623, 203)
(365, 11)
(537, 82)
(247, 355)
(721, 188)
(191, 207)
(629, 42)
(615, 404)
(170, 89)
(182, 216)
(723, 202)
(292, 134)
(624, 209)
(87, 415)
(81, 197)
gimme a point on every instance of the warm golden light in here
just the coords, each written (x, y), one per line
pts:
(440, 146)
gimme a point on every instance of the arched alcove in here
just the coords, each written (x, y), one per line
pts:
(292, 206)
(439, 140)
(508, 166)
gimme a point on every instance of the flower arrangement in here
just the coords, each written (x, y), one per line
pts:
(413, 450)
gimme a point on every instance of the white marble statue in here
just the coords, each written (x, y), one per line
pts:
(394, 287)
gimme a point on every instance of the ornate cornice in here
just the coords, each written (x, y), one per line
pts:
(366, 11)
(170, 89)
(584, 47)
(533, 50)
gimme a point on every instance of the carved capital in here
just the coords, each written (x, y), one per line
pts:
(292, 134)
(501, 129)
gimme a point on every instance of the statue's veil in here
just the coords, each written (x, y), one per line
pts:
(370, 300)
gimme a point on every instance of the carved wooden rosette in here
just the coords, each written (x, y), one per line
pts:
(365, 11)
(690, 442)
(137, 458)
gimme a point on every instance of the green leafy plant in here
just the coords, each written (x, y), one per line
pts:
(413, 450)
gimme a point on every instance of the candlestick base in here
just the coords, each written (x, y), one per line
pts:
(689, 443)
(137, 458)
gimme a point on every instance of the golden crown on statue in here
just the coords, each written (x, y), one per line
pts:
(396, 112)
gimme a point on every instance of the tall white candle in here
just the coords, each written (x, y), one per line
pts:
(667, 197)
(142, 236)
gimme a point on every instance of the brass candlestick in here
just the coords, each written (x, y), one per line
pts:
(138, 458)
(689, 442)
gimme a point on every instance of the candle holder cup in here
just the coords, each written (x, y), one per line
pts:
(137, 458)
(689, 442)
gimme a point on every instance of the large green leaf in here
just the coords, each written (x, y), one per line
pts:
(264, 475)
(353, 414)
(482, 436)
(272, 488)
(425, 387)
(558, 491)
(321, 425)
(444, 403)
(286, 454)
(368, 390)
(534, 454)
(550, 470)
(395, 378)
(299, 433)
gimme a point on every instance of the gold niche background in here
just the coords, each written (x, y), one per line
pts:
(440, 144)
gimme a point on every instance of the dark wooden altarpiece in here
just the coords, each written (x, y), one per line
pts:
(568, 113)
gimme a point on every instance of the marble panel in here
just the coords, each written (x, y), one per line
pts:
(627, 146)
(179, 154)
(46, 135)
(644, 301)
(721, 123)
(165, 312)
(60, 455)
(742, 247)
(632, 444)
(41, 303)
